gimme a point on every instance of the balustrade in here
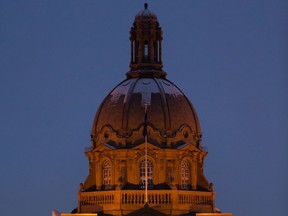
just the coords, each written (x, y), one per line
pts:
(96, 198)
(137, 197)
(196, 198)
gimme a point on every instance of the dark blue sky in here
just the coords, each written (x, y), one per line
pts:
(59, 59)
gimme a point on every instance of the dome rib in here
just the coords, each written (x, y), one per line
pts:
(127, 105)
(165, 106)
(195, 117)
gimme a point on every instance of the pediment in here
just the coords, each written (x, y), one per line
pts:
(188, 146)
(103, 147)
(149, 146)
(146, 211)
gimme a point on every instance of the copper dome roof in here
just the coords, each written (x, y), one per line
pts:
(168, 108)
(171, 116)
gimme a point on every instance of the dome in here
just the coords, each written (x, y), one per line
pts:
(172, 120)
(168, 109)
(145, 14)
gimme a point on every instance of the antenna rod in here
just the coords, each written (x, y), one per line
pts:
(146, 164)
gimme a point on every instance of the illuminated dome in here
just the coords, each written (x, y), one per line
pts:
(146, 145)
(172, 120)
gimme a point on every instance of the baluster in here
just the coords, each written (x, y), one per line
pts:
(138, 198)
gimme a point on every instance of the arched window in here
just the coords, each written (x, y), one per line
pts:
(107, 175)
(185, 174)
(149, 174)
(146, 50)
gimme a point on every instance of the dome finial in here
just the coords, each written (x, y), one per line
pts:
(146, 5)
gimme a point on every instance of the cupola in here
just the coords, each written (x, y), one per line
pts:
(146, 45)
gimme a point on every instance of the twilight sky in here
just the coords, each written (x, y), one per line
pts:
(59, 59)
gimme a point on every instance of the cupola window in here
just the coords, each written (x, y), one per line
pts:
(146, 50)
(185, 174)
(142, 170)
(107, 175)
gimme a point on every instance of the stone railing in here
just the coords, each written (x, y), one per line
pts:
(195, 198)
(134, 199)
(138, 197)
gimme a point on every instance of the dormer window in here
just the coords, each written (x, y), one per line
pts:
(142, 169)
(185, 174)
(107, 175)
